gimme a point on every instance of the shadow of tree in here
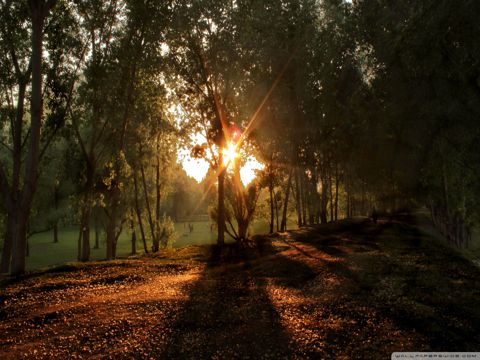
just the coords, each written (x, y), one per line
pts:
(229, 314)
(406, 285)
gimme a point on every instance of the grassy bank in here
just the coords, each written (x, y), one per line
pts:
(45, 253)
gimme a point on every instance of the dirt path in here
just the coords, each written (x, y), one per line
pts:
(347, 291)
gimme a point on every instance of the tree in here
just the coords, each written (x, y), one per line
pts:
(19, 197)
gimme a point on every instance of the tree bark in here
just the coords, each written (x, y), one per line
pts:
(55, 202)
(349, 201)
(55, 232)
(149, 211)
(276, 212)
(13, 194)
(283, 226)
(97, 233)
(221, 203)
(134, 237)
(110, 234)
(39, 9)
(446, 201)
(84, 246)
(303, 191)
(272, 209)
(139, 213)
(298, 199)
(7, 244)
(19, 250)
(84, 254)
(157, 199)
(330, 183)
(323, 213)
(336, 192)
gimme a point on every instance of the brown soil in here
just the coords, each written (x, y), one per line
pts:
(350, 290)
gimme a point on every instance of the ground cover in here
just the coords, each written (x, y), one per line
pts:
(348, 290)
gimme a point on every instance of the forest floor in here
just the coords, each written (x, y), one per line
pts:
(348, 290)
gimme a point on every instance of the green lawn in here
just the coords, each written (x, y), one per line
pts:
(44, 253)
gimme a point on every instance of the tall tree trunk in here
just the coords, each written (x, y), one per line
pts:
(38, 10)
(272, 209)
(323, 213)
(317, 208)
(19, 244)
(85, 230)
(115, 201)
(55, 232)
(221, 203)
(134, 237)
(111, 225)
(14, 194)
(349, 200)
(298, 199)
(149, 211)
(313, 207)
(276, 212)
(330, 183)
(7, 244)
(157, 199)
(55, 203)
(364, 200)
(283, 226)
(448, 220)
(139, 212)
(84, 246)
(97, 233)
(336, 192)
(303, 189)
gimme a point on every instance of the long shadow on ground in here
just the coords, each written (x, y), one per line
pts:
(350, 290)
(229, 313)
(429, 293)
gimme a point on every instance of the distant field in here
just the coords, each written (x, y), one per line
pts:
(44, 253)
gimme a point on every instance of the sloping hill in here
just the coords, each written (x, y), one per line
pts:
(346, 290)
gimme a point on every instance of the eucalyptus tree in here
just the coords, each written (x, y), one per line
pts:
(204, 57)
(136, 98)
(427, 80)
(89, 119)
(334, 91)
(26, 28)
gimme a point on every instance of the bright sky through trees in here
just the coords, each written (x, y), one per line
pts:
(198, 168)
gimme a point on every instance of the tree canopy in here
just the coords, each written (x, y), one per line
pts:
(350, 107)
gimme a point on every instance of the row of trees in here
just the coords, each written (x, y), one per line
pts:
(97, 136)
(351, 106)
(348, 105)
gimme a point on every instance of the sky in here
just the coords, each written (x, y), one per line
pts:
(198, 168)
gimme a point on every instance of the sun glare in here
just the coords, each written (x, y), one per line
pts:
(198, 168)
(229, 155)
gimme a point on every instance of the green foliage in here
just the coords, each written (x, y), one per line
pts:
(379, 99)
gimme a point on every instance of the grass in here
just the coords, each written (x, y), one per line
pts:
(44, 253)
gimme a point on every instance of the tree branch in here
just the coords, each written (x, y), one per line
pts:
(77, 132)
(233, 229)
(6, 146)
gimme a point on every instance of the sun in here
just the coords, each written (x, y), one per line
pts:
(249, 168)
(230, 154)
